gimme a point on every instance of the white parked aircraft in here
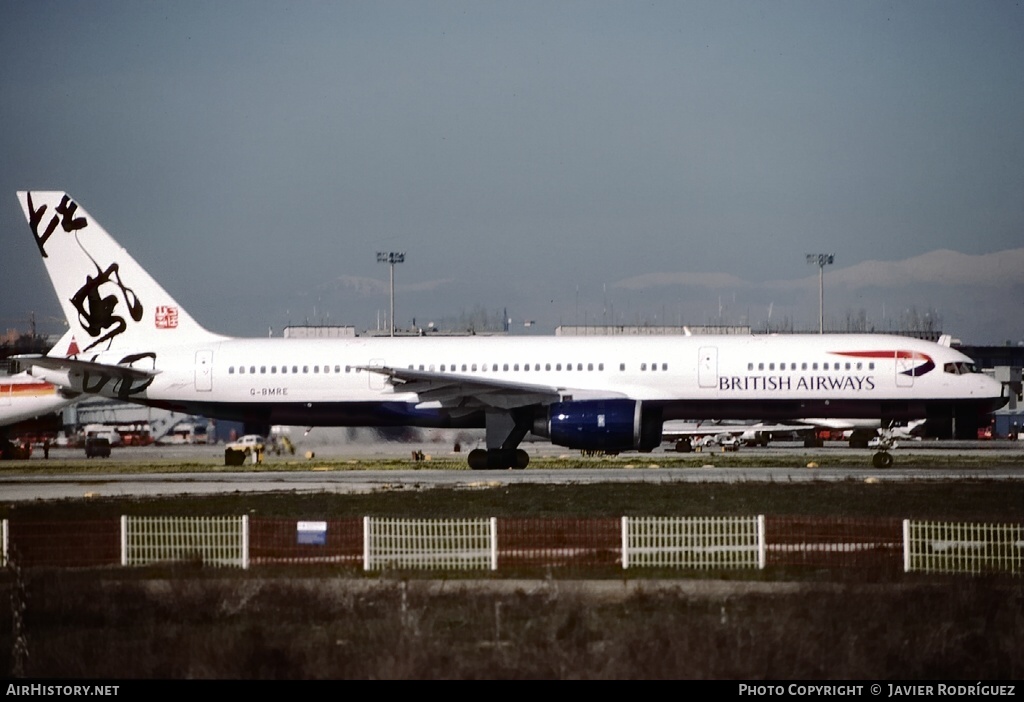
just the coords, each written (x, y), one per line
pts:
(859, 432)
(24, 397)
(133, 341)
(687, 434)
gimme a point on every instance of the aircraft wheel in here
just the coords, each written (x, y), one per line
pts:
(881, 459)
(497, 459)
(477, 459)
(684, 446)
(522, 459)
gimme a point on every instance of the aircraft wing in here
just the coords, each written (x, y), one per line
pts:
(780, 428)
(449, 391)
(841, 424)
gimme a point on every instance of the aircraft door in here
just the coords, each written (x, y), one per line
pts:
(707, 366)
(905, 370)
(204, 371)
(376, 380)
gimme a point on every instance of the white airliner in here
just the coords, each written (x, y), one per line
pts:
(859, 432)
(24, 397)
(131, 340)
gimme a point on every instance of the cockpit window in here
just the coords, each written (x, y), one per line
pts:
(960, 368)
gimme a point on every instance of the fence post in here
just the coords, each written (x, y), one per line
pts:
(124, 539)
(625, 543)
(762, 544)
(366, 543)
(494, 543)
(906, 545)
(245, 542)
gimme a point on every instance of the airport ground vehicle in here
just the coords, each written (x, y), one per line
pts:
(97, 447)
(250, 446)
(729, 442)
(10, 451)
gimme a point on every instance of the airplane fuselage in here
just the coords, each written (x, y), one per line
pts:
(24, 397)
(330, 381)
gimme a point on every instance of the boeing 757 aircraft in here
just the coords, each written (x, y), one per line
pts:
(131, 340)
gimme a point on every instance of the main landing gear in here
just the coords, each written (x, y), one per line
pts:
(498, 459)
(504, 432)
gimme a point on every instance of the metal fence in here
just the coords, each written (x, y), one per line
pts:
(835, 542)
(62, 544)
(563, 543)
(283, 541)
(946, 547)
(222, 541)
(523, 544)
(693, 542)
(434, 544)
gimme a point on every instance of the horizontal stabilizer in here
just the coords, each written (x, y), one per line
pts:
(75, 365)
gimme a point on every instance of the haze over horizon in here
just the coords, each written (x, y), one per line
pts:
(569, 163)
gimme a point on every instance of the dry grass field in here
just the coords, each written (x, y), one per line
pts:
(187, 624)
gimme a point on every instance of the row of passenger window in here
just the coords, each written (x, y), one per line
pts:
(444, 368)
(284, 370)
(859, 365)
(473, 367)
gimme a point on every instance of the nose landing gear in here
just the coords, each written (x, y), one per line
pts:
(881, 459)
(886, 441)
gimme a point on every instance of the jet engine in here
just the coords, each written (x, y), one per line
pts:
(601, 425)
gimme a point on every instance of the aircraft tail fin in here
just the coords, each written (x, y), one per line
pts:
(66, 346)
(109, 300)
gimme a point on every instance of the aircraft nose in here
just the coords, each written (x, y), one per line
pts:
(1000, 394)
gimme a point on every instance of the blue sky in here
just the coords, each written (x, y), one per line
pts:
(570, 162)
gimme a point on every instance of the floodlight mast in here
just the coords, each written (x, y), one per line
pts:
(821, 260)
(391, 258)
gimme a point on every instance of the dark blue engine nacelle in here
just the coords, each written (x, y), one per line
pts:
(602, 425)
